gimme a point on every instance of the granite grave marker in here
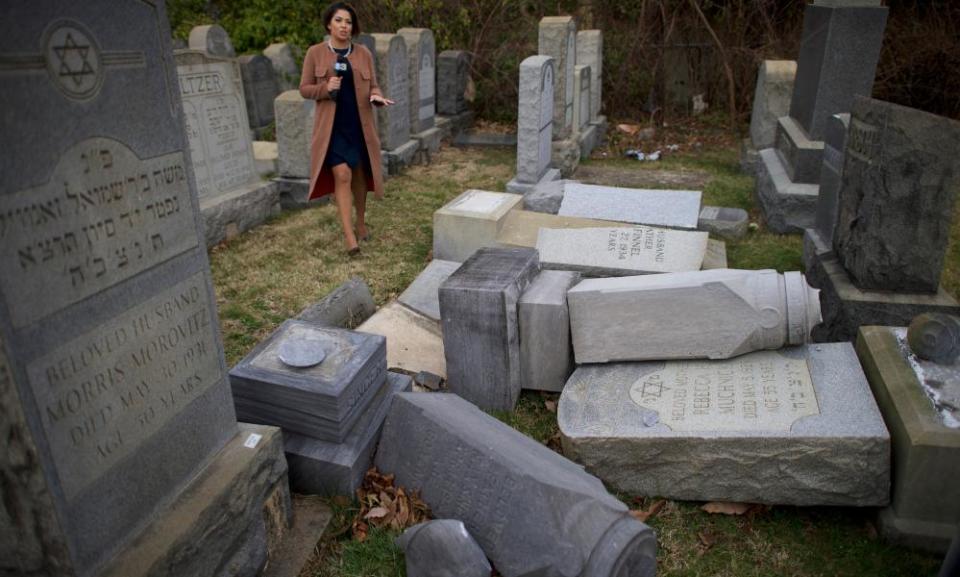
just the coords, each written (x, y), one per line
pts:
(453, 76)
(393, 122)
(669, 208)
(421, 295)
(534, 124)
(284, 65)
(557, 38)
(470, 221)
(546, 358)
(260, 88)
(211, 39)
(422, 78)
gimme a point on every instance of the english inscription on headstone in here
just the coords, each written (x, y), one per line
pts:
(217, 125)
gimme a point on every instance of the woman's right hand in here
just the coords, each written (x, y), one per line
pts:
(334, 83)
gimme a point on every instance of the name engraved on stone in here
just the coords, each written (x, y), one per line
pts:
(104, 216)
(863, 141)
(480, 202)
(631, 242)
(201, 83)
(427, 86)
(765, 392)
(103, 394)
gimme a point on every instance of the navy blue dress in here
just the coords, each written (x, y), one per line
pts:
(346, 140)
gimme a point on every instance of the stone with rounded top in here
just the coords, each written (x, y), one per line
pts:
(212, 39)
(935, 337)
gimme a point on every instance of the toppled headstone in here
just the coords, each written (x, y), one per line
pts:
(321, 400)
(925, 434)
(797, 426)
(346, 306)
(935, 337)
(428, 380)
(546, 358)
(716, 255)
(531, 510)
(621, 251)
(442, 548)
(414, 342)
(546, 197)
(900, 181)
(470, 221)
(669, 208)
(422, 294)
(319, 467)
(481, 339)
(522, 227)
(713, 314)
(724, 222)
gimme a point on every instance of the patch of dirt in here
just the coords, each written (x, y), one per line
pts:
(642, 178)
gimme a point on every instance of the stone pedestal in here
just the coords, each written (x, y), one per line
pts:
(797, 426)
(481, 339)
(470, 221)
(925, 503)
(546, 357)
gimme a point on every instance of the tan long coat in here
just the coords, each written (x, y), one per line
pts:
(317, 68)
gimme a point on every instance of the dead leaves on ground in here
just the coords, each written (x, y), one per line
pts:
(733, 508)
(384, 505)
(643, 515)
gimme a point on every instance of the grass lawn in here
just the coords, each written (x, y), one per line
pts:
(269, 274)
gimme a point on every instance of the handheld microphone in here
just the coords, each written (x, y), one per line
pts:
(340, 67)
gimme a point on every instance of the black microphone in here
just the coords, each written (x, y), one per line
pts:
(340, 67)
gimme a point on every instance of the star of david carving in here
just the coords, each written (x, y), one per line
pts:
(73, 60)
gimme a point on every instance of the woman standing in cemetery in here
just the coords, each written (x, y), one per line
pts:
(345, 149)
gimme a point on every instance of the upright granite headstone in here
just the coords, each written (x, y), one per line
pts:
(590, 53)
(587, 132)
(260, 88)
(393, 122)
(534, 124)
(839, 50)
(481, 339)
(670, 208)
(900, 182)
(453, 75)
(797, 426)
(557, 38)
(771, 100)
(294, 118)
(213, 40)
(532, 511)
(284, 65)
(713, 314)
(114, 405)
(421, 73)
(831, 177)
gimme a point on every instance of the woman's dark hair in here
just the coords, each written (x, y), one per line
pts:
(332, 9)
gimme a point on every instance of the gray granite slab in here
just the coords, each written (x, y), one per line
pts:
(319, 467)
(716, 255)
(453, 77)
(260, 88)
(900, 181)
(393, 122)
(788, 207)
(712, 314)
(111, 365)
(284, 64)
(797, 426)
(621, 251)
(771, 100)
(531, 510)
(421, 76)
(422, 294)
(546, 197)
(546, 355)
(294, 122)
(346, 306)
(557, 38)
(724, 222)
(581, 98)
(322, 401)
(534, 118)
(831, 176)
(590, 53)
(481, 338)
(669, 208)
(443, 547)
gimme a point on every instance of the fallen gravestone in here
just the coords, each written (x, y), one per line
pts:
(546, 197)
(522, 227)
(531, 510)
(715, 314)
(320, 467)
(621, 251)
(414, 342)
(120, 439)
(795, 427)
(470, 221)
(914, 397)
(716, 255)
(724, 222)
(321, 396)
(629, 177)
(668, 208)
(546, 357)
(422, 295)
(442, 548)
(481, 339)
(346, 306)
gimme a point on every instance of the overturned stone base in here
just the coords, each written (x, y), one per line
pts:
(788, 207)
(846, 308)
(451, 126)
(400, 157)
(226, 522)
(797, 426)
(519, 187)
(229, 214)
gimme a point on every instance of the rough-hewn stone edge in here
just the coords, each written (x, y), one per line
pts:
(346, 306)
(244, 208)
(787, 207)
(31, 539)
(204, 527)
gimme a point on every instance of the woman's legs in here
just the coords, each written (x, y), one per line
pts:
(343, 195)
(359, 188)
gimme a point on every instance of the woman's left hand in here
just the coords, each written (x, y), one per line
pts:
(380, 101)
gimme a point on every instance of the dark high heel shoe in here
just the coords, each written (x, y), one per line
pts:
(353, 252)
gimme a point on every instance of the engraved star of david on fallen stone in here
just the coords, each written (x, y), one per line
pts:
(73, 60)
